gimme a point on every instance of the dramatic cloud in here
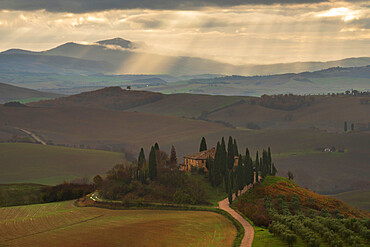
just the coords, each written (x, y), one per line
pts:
(83, 6)
(240, 34)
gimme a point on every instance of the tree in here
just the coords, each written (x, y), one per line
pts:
(290, 175)
(239, 174)
(257, 167)
(156, 146)
(98, 181)
(203, 145)
(140, 163)
(141, 159)
(230, 196)
(152, 164)
(223, 157)
(352, 127)
(230, 153)
(269, 161)
(273, 170)
(236, 151)
(216, 167)
(173, 157)
(345, 126)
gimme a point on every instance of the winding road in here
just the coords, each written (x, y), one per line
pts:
(248, 228)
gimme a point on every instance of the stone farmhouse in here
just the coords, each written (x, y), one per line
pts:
(198, 160)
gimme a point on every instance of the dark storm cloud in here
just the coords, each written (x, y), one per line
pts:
(80, 6)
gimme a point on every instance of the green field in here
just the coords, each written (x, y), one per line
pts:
(188, 105)
(34, 163)
(20, 194)
(62, 224)
(32, 99)
(357, 198)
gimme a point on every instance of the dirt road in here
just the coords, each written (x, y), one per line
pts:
(249, 231)
(35, 137)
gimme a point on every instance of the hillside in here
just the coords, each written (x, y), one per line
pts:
(52, 164)
(111, 98)
(252, 205)
(300, 217)
(11, 93)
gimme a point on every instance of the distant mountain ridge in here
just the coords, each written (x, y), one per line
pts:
(130, 60)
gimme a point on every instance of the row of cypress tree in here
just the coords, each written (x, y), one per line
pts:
(149, 170)
(222, 170)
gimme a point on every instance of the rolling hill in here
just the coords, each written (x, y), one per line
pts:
(11, 93)
(331, 80)
(114, 98)
(52, 164)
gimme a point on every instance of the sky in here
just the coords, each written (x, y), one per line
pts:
(233, 31)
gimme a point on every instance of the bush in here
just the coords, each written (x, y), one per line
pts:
(66, 191)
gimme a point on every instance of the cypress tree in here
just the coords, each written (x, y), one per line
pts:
(273, 170)
(240, 174)
(236, 151)
(230, 153)
(352, 127)
(345, 126)
(173, 157)
(141, 159)
(230, 197)
(250, 172)
(140, 162)
(247, 170)
(223, 157)
(226, 181)
(210, 168)
(269, 161)
(216, 169)
(203, 145)
(152, 164)
(257, 167)
(156, 146)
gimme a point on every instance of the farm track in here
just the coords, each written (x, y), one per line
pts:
(35, 137)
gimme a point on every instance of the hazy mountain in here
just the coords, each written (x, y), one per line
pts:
(15, 61)
(120, 56)
(119, 42)
(10, 93)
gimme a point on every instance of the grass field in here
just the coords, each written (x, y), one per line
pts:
(26, 163)
(188, 105)
(20, 194)
(62, 224)
(32, 99)
(357, 198)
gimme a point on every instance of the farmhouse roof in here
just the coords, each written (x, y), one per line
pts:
(202, 155)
